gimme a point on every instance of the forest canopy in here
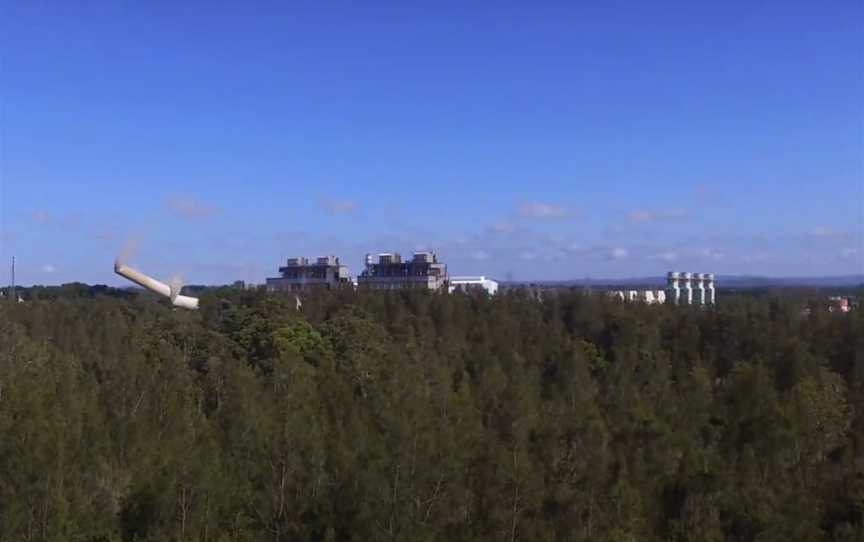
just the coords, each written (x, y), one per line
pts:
(421, 416)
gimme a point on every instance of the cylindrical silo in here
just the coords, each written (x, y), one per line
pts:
(673, 292)
(686, 287)
(709, 288)
(699, 288)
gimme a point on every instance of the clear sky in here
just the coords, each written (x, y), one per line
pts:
(531, 140)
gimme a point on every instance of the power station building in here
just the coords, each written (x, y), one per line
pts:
(648, 297)
(391, 272)
(681, 289)
(301, 274)
(690, 288)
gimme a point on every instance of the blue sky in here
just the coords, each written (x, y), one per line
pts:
(544, 140)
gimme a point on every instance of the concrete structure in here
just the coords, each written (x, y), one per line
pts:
(390, 272)
(301, 274)
(838, 304)
(699, 288)
(648, 297)
(690, 288)
(652, 296)
(686, 286)
(710, 293)
(171, 291)
(673, 293)
(473, 283)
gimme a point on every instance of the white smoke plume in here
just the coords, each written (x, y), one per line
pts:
(130, 247)
(176, 284)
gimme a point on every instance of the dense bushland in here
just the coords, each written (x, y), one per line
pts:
(414, 416)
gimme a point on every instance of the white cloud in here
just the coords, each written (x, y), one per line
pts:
(528, 255)
(755, 258)
(540, 210)
(618, 254)
(480, 255)
(462, 240)
(826, 232)
(48, 268)
(849, 252)
(339, 206)
(649, 215)
(555, 254)
(822, 231)
(64, 222)
(501, 227)
(669, 256)
(190, 208)
(712, 254)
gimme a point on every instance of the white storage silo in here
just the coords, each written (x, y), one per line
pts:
(686, 288)
(709, 288)
(673, 291)
(699, 288)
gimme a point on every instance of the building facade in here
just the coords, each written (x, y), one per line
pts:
(301, 274)
(390, 272)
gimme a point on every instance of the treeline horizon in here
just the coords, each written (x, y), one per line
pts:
(423, 416)
(82, 289)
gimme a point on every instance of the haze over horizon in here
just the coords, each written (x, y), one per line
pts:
(529, 142)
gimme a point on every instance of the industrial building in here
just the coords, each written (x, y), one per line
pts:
(690, 288)
(838, 304)
(301, 274)
(681, 289)
(391, 272)
(648, 297)
(466, 284)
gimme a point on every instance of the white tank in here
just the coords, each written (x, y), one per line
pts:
(686, 287)
(673, 291)
(709, 288)
(699, 288)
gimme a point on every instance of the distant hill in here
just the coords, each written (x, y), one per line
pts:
(820, 282)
